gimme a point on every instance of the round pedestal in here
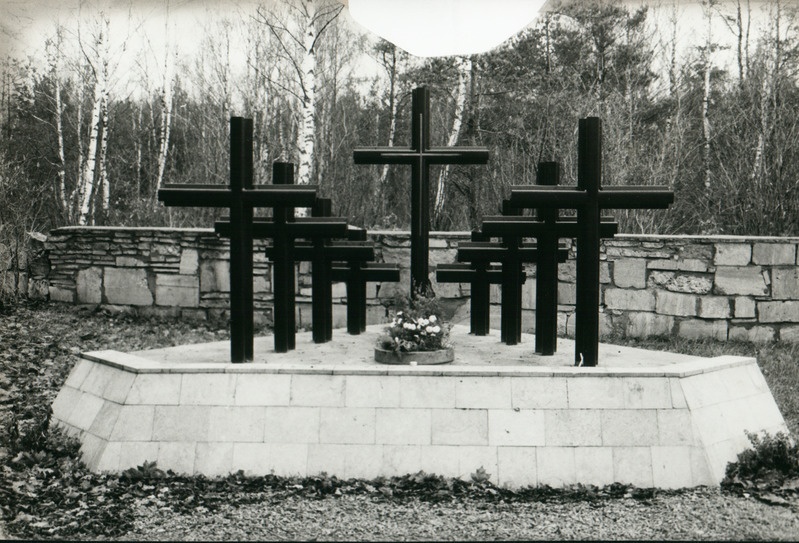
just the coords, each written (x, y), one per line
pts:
(421, 358)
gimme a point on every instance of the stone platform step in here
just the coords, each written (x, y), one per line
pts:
(641, 417)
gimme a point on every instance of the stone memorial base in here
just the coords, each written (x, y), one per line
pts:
(641, 417)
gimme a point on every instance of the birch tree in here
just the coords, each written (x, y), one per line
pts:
(297, 34)
(99, 67)
(166, 101)
(464, 69)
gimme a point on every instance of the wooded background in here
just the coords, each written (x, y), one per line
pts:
(76, 147)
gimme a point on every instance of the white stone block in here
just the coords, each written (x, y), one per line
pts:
(787, 311)
(404, 426)
(135, 453)
(774, 254)
(710, 423)
(556, 466)
(671, 467)
(471, 459)
(704, 389)
(372, 391)
(347, 425)
(288, 459)
(517, 467)
(630, 273)
(178, 456)
(91, 449)
(79, 372)
(263, 389)
(253, 458)
(677, 396)
(119, 386)
(419, 391)
(633, 465)
(596, 393)
(317, 390)
(89, 285)
(675, 427)
(189, 261)
(106, 419)
(732, 254)
(181, 423)
(327, 458)
(785, 284)
(208, 389)
(98, 378)
(674, 303)
(108, 460)
(400, 460)
(511, 427)
(214, 459)
(700, 468)
(644, 324)
(576, 427)
(741, 280)
(629, 427)
(155, 389)
(539, 393)
(629, 300)
(744, 307)
(594, 465)
(134, 423)
(714, 307)
(460, 427)
(127, 286)
(440, 460)
(700, 329)
(236, 423)
(646, 392)
(292, 425)
(86, 409)
(483, 392)
(65, 402)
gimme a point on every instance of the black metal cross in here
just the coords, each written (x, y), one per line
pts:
(589, 198)
(546, 228)
(420, 156)
(512, 254)
(319, 230)
(240, 197)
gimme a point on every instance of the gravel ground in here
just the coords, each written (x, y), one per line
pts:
(696, 514)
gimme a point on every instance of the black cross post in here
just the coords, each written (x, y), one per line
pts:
(240, 197)
(420, 157)
(480, 277)
(589, 198)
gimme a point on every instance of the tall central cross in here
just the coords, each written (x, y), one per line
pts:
(420, 157)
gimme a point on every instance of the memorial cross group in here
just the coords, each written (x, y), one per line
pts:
(340, 252)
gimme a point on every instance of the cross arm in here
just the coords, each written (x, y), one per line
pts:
(478, 251)
(300, 227)
(457, 155)
(384, 155)
(540, 196)
(465, 273)
(281, 195)
(530, 227)
(195, 195)
(636, 197)
(341, 250)
(373, 272)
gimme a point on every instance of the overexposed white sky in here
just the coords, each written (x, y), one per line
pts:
(140, 28)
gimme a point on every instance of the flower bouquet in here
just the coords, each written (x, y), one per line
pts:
(416, 335)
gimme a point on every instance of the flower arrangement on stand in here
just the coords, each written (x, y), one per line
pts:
(416, 335)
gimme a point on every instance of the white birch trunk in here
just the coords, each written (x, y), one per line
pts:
(464, 74)
(166, 120)
(89, 173)
(104, 181)
(305, 134)
(706, 132)
(59, 123)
